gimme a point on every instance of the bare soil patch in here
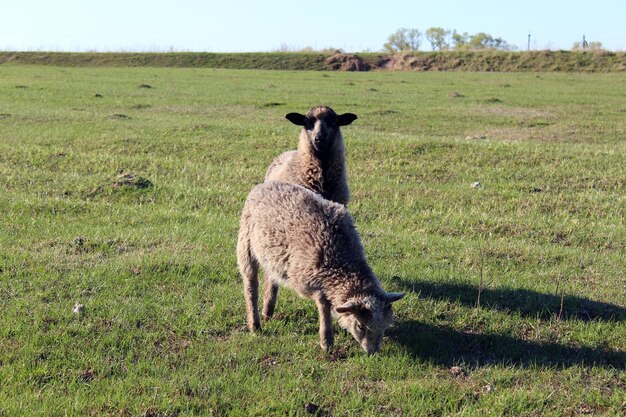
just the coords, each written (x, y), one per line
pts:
(347, 62)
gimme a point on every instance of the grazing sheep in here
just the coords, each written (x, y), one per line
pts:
(310, 244)
(319, 164)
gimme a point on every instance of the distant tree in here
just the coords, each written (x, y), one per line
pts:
(593, 46)
(479, 41)
(414, 38)
(484, 40)
(438, 38)
(460, 41)
(397, 41)
(403, 39)
(284, 47)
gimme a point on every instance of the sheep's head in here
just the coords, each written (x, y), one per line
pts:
(367, 318)
(321, 126)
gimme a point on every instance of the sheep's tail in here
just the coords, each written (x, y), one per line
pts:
(248, 268)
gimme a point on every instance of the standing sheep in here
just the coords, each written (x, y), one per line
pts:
(319, 164)
(310, 244)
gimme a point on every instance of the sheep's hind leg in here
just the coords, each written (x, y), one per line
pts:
(269, 298)
(249, 269)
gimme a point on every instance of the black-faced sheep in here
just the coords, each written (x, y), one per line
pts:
(319, 164)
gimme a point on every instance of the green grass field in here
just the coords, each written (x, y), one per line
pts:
(516, 289)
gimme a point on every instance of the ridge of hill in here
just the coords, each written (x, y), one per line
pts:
(497, 61)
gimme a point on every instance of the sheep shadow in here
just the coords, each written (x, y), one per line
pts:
(527, 303)
(446, 346)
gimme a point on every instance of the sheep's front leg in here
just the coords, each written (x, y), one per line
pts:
(326, 324)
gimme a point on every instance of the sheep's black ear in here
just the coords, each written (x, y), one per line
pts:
(392, 297)
(296, 118)
(346, 118)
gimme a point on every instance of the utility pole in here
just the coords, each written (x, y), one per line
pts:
(529, 40)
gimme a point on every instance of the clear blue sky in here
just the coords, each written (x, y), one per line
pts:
(257, 25)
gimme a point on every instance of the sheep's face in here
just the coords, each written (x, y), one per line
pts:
(321, 126)
(368, 318)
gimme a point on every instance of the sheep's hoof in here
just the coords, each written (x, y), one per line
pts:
(327, 346)
(254, 327)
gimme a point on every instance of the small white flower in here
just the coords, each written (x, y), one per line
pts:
(78, 308)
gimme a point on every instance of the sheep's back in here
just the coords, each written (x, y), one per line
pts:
(291, 225)
(278, 169)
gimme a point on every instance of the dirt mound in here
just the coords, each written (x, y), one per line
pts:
(131, 180)
(411, 62)
(123, 181)
(347, 62)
